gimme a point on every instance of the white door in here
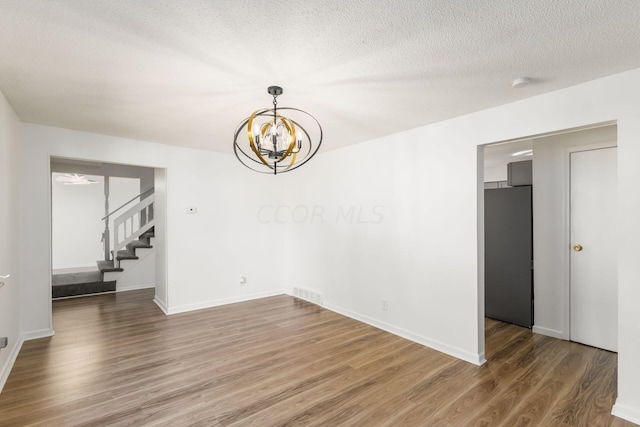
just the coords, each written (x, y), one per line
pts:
(594, 279)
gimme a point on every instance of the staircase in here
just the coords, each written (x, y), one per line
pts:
(132, 243)
(134, 250)
(104, 280)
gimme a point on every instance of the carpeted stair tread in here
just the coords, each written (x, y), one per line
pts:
(75, 278)
(77, 289)
(125, 254)
(138, 244)
(107, 267)
(148, 234)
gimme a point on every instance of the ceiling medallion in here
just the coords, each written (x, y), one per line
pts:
(276, 143)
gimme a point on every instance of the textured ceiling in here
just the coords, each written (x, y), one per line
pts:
(186, 72)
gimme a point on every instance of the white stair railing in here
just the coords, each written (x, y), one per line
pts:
(133, 223)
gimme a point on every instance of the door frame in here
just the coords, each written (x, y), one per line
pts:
(160, 212)
(566, 262)
(563, 260)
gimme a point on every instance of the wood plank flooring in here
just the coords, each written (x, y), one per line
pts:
(117, 360)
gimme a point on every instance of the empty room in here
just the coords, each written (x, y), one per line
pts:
(371, 213)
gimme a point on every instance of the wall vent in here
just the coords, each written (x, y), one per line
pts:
(308, 295)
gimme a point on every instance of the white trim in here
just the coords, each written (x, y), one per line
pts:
(553, 333)
(121, 221)
(85, 295)
(40, 333)
(8, 366)
(134, 287)
(162, 282)
(625, 412)
(49, 247)
(556, 132)
(161, 305)
(222, 301)
(476, 359)
(480, 255)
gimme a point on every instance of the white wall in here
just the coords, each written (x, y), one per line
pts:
(9, 238)
(137, 274)
(76, 226)
(76, 218)
(415, 240)
(550, 226)
(208, 250)
(496, 173)
(424, 255)
(407, 238)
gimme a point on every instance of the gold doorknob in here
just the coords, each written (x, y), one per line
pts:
(577, 247)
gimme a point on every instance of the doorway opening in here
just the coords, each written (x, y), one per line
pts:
(551, 211)
(508, 231)
(103, 227)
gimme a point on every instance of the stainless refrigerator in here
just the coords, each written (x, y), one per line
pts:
(509, 255)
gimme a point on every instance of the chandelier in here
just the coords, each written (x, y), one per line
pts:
(276, 143)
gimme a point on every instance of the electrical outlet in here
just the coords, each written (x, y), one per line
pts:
(243, 280)
(385, 304)
(4, 341)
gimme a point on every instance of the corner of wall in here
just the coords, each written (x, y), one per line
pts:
(15, 350)
(11, 360)
(474, 358)
(625, 412)
(553, 333)
(161, 304)
(10, 218)
(217, 302)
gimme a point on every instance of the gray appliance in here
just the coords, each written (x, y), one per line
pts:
(520, 173)
(509, 255)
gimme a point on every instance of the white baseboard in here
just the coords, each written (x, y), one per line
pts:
(40, 333)
(133, 287)
(161, 305)
(8, 366)
(476, 359)
(222, 301)
(626, 413)
(6, 369)
(84, 295)
(553, 333)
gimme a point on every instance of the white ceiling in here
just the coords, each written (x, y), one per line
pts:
(186, 72)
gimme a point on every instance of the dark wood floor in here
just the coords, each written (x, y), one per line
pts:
(118, 360)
